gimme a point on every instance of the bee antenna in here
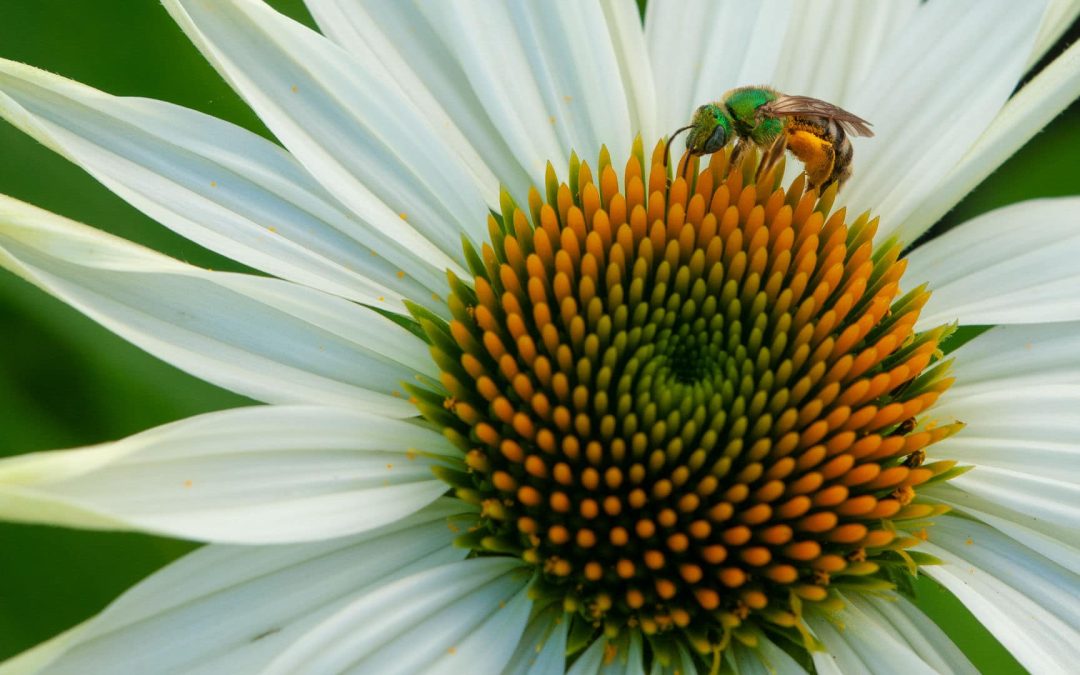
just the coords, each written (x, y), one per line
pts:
(667, 145)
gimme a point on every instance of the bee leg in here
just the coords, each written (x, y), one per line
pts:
(771, 156)
(737, 154)
(814, 151)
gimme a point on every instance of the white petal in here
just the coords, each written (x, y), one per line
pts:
(859, 642)
(628, 41)
(1026, 113)
(216, 184)
(1060, 544)
(488, 648)
(1026, 601)
(933, 91)
(547, 75)
(1032, 430)
(821, 48)
(270, 474)
(233, 609)
(1016, 264)
(542, 648)
(354, 130)
(574, 63)
(1059, 16)
(765, 659)
(409, 625)
(831, 45)
(908, 623)
(268, 339)
(1027, 355)
(1052, 500)
(396, 40)
(700, 49)
(596, 660)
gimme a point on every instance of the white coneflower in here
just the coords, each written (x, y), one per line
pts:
(613, 423)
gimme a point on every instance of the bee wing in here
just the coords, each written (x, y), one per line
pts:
(786, 106)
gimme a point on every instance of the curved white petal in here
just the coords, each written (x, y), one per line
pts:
(233, 609)
(420, 622)
(1053, 500)
(547, 76)
(542, 648)
(1009, 357)
(628, 40)
(1059, 543)
(861, 640)
(395, 40)
(268, 339)
(353, 129)
(831, 45)
(1025, 600)
(269, 474)
(216, 184)
(700, 49)
(1059, 17)
(908, 623)
(1033, 430)
(1016, 264)
(1025, 114)
(764, 659)
(933, 91)
(622, 656)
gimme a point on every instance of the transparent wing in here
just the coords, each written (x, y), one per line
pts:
(786, 106)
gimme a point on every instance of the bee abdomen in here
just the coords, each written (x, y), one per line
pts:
(834, 162)
(842, 146)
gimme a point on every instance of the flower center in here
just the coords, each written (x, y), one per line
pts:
(691, 404)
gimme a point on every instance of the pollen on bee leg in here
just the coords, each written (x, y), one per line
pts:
(688, 404)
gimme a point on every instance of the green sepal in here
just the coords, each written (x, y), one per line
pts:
(405, 322)
(472, 258)
(961, 336)
(500, 545)
(825, 201)
(921, 559)
(508, 206)
(637, 151)
(948, 475)
(421, 314)
(794, 644)
(459, 440)
(471, 540)
(575, 169)
(863, 584)
(456, 479)
(580, 635)
(900, 577)
(430, 405)
(551, 186)
(603, 160)
(461, 290)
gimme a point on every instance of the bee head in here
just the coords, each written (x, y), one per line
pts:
(710, 130)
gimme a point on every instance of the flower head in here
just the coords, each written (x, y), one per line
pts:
(645, 418)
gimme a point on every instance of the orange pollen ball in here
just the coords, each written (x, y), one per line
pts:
(688, 397)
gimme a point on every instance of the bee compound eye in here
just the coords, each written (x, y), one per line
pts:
(716, 140)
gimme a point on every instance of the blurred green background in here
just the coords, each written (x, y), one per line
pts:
(65, 382)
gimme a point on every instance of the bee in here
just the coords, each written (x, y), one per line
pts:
(815, 131)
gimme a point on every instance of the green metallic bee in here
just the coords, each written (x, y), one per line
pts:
(814, 131)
